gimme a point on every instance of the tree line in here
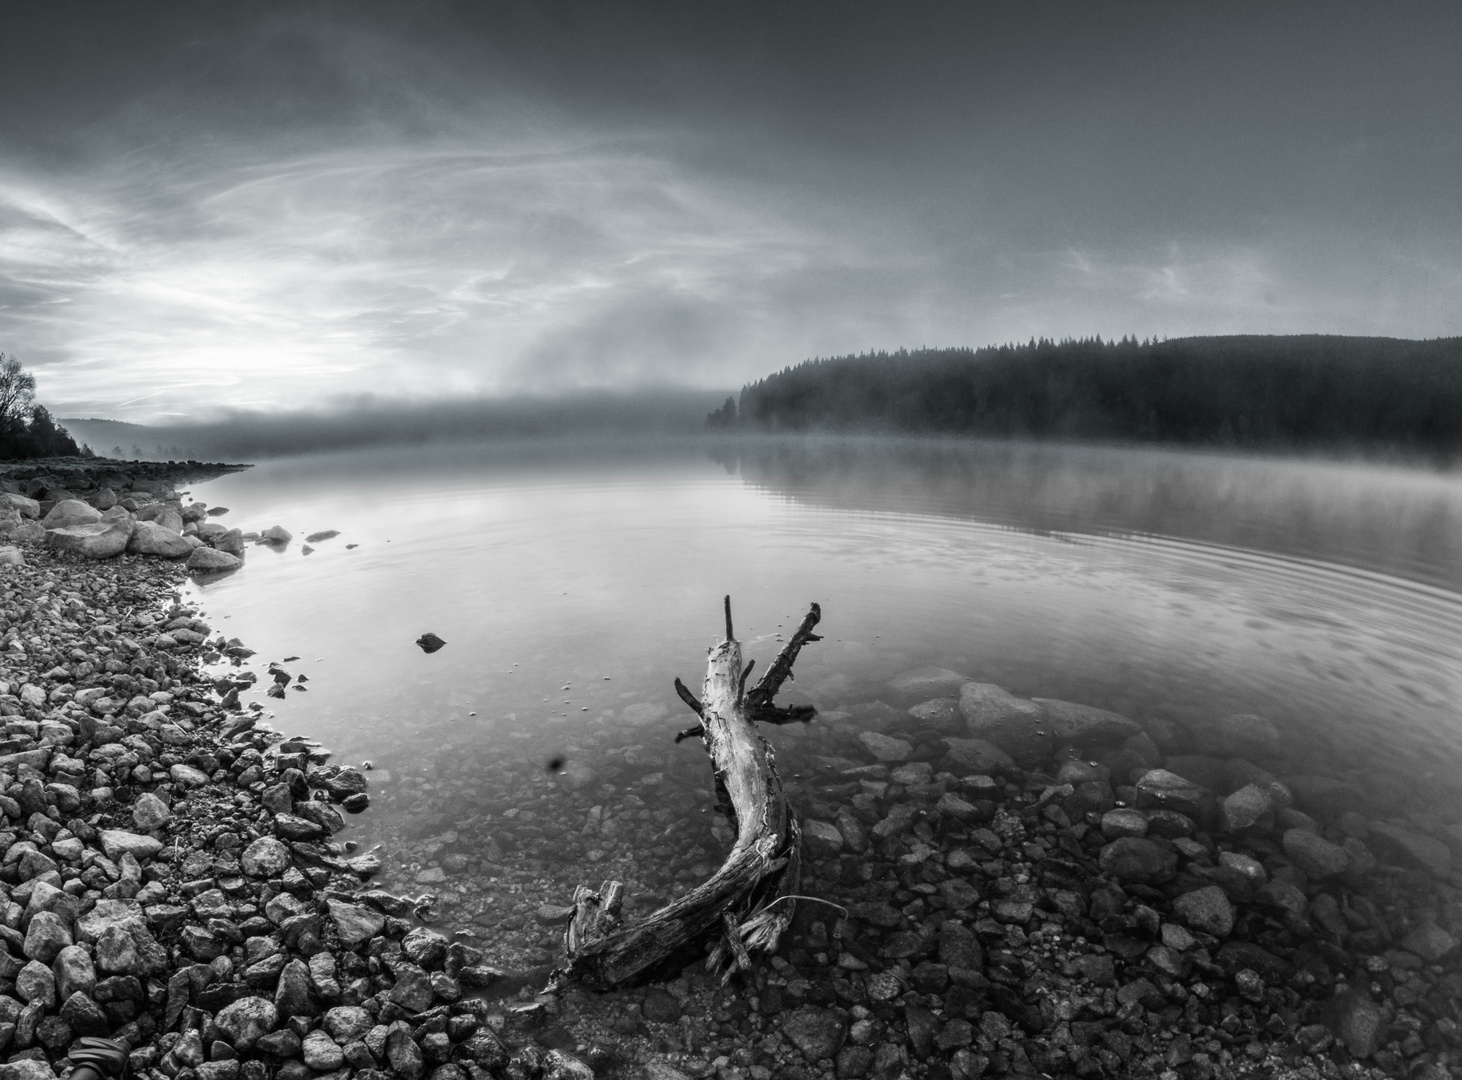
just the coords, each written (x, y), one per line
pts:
(26, 428)
(1249, 391)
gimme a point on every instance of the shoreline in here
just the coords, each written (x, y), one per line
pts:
(986, 899)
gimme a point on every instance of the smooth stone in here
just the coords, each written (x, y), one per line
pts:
(150, 538)
(1317, 857)
(1206, 909)
(208, 560)
(69, 512)
(939, 714)
(354, 923)
(276, 534)
(1123, 821)
(119, 842)
(927, 682)
(886, 748)
(104, 540)
(1240, 735)
(821, 837)
(1083, 725)
(1356, 1021)
(977, 756)
(1161, 789)
(1430, 942)
(1250, 809)
(1135, 860)
(1425, 852)
(1015, 725)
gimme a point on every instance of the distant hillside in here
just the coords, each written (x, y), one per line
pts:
(1239, 391)
(248, 435)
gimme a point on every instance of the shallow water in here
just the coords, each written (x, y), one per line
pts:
(572, 583)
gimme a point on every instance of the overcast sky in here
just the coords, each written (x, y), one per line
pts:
(255, 205)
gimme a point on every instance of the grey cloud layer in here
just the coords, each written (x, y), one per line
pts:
(274, 212)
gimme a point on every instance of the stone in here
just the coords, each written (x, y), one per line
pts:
(246, 1020)
(118, 842)
(26, 508)
(927, 682)
(1123, 822)
(266, 857)
(939, 714)
(975, 756)
(292, 995)
(27, 1069)
(1136, 860)
(1411, 848)
(885, 747)
(150, 538)
(124, 944)
(354, 923)
(1430, 942)
(1317, 857)
(958, 946)
(104, 540)
(413, 989)
(1164, 790)
(73, 971)
(209, 560)
(1206, 909)
(1356, 1021)
(660, 1006)
(1015, 725)
(321, 1052)
(1071, 724)
(1241, 735)
(821, 838)
(424, 947)
(1248, 810)
(149, 813)
(404, 1055)
(71, 512)
(85, 1016)
(817, 1032)
(35, 983)
(10, 555)
(46, 936)
(348, 1022)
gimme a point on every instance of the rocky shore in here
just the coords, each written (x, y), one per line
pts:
(1005, 886)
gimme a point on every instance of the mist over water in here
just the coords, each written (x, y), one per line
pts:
(573, 582)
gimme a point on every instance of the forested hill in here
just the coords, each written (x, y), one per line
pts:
(1238, 391)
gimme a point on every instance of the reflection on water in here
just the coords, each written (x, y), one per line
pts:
(572, 584)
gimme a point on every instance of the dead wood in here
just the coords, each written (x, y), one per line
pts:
(748, 902)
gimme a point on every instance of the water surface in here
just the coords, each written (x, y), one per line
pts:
(572, 583)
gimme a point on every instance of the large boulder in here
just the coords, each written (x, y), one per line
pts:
(1016, 725)
(69, 512)
(207, 560)
(27, 508)
(276, 534)
(165, 514)
(103, 540)
(151, 538)
(1085, 725)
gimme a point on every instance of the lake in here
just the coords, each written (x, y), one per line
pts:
(573, 582)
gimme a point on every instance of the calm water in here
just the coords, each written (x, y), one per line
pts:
(573, 583)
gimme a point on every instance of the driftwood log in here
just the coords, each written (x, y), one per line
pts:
(747, 904)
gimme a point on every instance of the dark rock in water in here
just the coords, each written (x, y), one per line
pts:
(1358, 1022)
(1133, 859)
(354, 804)
(430, 643)
(818, 1033)
(217, 511)
(660, 1006)
(1411, 848)
(1315, 855)
(325, 534)
(1206, 909)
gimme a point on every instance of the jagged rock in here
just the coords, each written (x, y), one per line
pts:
(978, 756)
(73, 971)
(1356, 1021)
(149, 813)
(46, 936)
(347, 1022)
(320, 1052)
(124, 945)
(244, 1021)
(1164, 790)
(817, 1032)
(118, 842)
(354, 923)
(886, 748)
(35, 983)
(266, 857)
(558, 1065)
(425, 947)
(404, 1055)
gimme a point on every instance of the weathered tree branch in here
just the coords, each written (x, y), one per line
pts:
(748, 902)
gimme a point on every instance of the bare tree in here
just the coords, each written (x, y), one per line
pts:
(17, 392)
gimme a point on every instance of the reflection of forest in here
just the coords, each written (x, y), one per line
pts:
(1397, 521)
(1230, 391)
